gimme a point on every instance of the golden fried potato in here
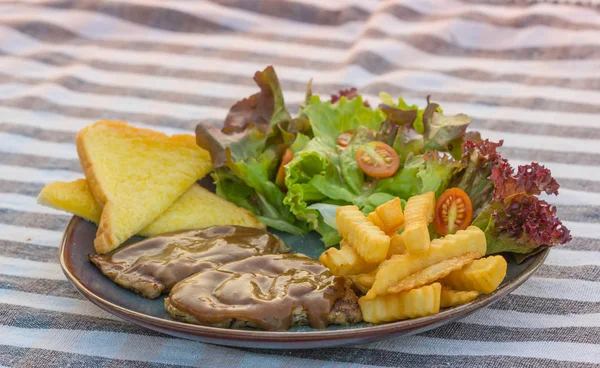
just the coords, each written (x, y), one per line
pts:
(433, 272)
(418, 302)
(345, 261)
(396, 245)
(418, 214)
(399, 267)
(364, 281)
(483, 275)
(368, 240)
(416, 237)
(374, 218)
(346, 218)
(390, 213)
(452, 298)
(420, 207)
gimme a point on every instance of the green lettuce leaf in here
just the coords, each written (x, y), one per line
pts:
(327, 226)
(436, 172)
(327, 212)
(265, 199)
(417, 123)
(249, 143)
(398, 131)
(329, 120)
(329, 235)
(368, 201)
(307, 165)
(284, 131)
(412, 131)
(430, 172)
(234, 189)
(352, 174)
(313, 177)
(443, 132)
(299, 143)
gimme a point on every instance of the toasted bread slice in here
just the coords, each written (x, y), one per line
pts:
(73, 197)
(197, 208)
(135, 174)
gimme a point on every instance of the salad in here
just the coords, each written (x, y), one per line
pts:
(294, 171)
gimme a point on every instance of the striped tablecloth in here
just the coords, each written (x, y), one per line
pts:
(528, 72)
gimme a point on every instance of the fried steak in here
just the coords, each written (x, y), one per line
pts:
(271, 292)
(152, 266)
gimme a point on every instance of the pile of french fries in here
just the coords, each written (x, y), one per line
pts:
(401, 272)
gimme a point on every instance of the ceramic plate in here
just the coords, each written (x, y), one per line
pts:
(78, 243)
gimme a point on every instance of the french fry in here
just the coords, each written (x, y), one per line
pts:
(433, 272)
(417, 215)
(398, 267)
(363, 281)
(483, 275)
(418, 302)
(396, 245)
(345, 261)
(374, 218)
(416, 237)
(368, 240)
(452, 298)
(420, 207)
(371, 243)
(346, 218)
(390, 214)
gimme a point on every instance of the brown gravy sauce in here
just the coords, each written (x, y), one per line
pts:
(263, 289)
(172, 257)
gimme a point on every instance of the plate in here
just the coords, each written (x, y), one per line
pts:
(78, 243)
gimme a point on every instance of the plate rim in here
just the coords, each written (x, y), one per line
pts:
(288, 336)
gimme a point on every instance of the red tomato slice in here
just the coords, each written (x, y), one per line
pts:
(344, 138)
(453, 211)
(377, 159)
(280, 179)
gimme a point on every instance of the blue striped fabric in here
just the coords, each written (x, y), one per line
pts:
(527, 71)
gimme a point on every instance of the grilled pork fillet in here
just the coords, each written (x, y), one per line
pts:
(152, 266)
(272, 292)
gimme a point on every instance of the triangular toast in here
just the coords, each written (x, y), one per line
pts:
(135, 175)
(73, 197)
(197, 208)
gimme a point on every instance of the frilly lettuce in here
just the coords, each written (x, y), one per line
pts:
(328, 120)
(312, 176)
(505, 202)
(323, 175)
(247, 152)
(254, 189)
(429, 172)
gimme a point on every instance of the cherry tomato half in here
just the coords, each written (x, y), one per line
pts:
(453, 211)
(344, 138)
(280, 179)
(377, 159)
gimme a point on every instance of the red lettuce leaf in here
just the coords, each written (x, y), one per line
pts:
(531, 221)
(397, 131)
(349, 93)
(505, 202)
(478, 159)
(441, 131)
(262, 109)
(532, 179)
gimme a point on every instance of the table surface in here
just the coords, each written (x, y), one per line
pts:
(528, 73)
